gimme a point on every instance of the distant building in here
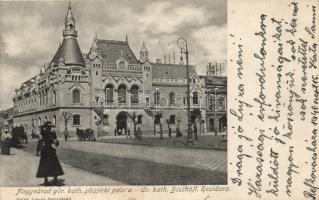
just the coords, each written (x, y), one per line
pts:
(112, 78)
(216, 101)
(6, 119)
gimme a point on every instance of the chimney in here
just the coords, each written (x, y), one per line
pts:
(158, 60)
(169, 58)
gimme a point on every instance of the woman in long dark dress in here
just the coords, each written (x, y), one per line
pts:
(49, 165)
(5, 142)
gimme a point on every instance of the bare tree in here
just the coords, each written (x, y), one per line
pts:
(99, 121)
(66, 116)
(169, 128)
(156, 114)
(133, 117)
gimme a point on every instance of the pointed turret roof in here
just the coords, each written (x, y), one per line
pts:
(69, 16)
(69, 51)
(144, 49)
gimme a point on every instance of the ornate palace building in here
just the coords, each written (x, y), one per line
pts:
(109, 78)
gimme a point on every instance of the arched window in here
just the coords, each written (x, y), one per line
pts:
(109, 93)
(157, 119)
(76, 96)
(43, 99)
(172, 119)
(195, 98)
(140, 119)
(39, 121)
(76, 120)
(54, 120)
(156, 97)
(46, 98)
(122, 65)
(211, 102)
(122, 94)
(45, 119)
(172, 98)
(105, 120)
(54, 97)
(134, 94)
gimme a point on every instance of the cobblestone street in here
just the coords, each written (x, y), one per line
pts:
(98, 163)
(207, 159)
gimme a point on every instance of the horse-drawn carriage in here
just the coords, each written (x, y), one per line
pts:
(18, 137)
(87, 134)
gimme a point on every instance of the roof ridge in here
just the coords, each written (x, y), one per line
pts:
(112, 41)
(174, 64)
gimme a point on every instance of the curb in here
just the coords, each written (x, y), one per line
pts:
(156, 145)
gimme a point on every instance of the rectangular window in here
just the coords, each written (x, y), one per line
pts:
(220, 103)
(147, 101)
(105, 120)
(172, 119)
(76, 120)
(140, 119)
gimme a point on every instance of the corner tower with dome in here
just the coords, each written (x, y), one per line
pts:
(110, 77)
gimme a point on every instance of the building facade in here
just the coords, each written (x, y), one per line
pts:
(112, 79)
(216, 98)
(6, 119)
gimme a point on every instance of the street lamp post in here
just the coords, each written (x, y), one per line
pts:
(182, 44)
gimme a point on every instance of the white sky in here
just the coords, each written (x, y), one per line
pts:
(30, 32)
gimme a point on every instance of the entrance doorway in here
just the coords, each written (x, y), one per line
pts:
(222, 123)
(211, 124)
(121, 123)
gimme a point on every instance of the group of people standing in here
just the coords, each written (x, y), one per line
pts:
(127, 132)
(49, 165)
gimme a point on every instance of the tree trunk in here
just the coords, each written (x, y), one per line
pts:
(161, 131)
(135, 132)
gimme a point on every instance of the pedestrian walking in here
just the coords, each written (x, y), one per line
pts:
(49, 165)
(128, 133)
(66, 134)
(169, 132)
(115, 132)
(5, 142)
(178, 133)
(195, 131)
(139, 134)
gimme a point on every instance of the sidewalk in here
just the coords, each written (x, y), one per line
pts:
(207, 141)
(19, 169)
